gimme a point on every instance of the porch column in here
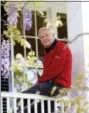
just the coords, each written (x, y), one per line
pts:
(75, 27)
(78, 23)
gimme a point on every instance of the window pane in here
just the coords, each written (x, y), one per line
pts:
(33, 46)
(31, 32)
(39, 21)
(62, 31)
(40, 50)
(18, 49)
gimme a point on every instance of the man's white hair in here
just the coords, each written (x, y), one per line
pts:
(46, 28)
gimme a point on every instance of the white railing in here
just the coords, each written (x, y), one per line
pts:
(29, 103)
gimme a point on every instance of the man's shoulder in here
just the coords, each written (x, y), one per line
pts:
(62, 46)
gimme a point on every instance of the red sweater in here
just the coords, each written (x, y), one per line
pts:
(58, 65)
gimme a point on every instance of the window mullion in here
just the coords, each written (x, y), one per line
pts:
(12, 60)
(36, 39)
(24, 36)
(51, 14)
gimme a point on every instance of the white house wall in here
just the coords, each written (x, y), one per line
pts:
(85, 18)
(57, 6)
(75, 27)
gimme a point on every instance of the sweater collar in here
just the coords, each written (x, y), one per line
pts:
(52, 46)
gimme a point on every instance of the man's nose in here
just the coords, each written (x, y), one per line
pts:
(44, 37)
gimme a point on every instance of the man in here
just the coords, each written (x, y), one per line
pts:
(57, 65)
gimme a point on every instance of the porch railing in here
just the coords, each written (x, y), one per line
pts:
(29, 103)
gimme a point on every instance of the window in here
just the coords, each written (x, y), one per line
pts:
(32, 35)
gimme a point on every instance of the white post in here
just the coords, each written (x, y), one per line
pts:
(55, 107)
(14, 105)
(78, 17)
(1, 106)
(22, 108)
(49, 106)
(35, 104)
(42, 106)
(12, 71)
(28, 105)
(85, 21)
(62, 107)
(74, 18)
(8, 104)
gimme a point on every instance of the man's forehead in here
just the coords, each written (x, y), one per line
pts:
(45, 29)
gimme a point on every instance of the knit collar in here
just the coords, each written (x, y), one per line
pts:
(52, 46)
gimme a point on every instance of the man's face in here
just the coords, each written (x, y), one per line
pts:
(46, 37)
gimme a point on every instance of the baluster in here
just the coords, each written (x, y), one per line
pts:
(42, 106)
(29, 106)
(49, 107)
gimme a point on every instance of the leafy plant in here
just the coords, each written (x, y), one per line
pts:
(25, 70)
(77, 102)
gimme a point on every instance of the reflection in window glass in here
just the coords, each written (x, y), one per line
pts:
(40, 49)
(40, 23)
(18, 49)
(33, 45)
(62, 31)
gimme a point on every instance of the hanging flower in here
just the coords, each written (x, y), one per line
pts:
(12, 18)
(27, 18)
(12, 14)
(5, 56)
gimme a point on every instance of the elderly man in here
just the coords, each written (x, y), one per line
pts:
(57, 65)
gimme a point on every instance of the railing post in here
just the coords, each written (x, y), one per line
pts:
(35, 103)
(62, 107)
(1, 105)
(42, 106)
(69, 107)
(14, 105)
(28, 106)
(22, 108)
(55, 107)
(49, 110)
(8, 104)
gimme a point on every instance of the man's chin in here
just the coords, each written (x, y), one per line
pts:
(47, 46)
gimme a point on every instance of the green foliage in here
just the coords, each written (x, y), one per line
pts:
(57, 23)
(14, 35)
(79, 101)
(20, 66)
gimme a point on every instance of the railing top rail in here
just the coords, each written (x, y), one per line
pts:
(26, 96)
(32, 96)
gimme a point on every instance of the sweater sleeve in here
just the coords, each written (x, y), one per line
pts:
(56, 65)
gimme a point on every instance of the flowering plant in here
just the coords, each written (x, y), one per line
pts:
(26, 71)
